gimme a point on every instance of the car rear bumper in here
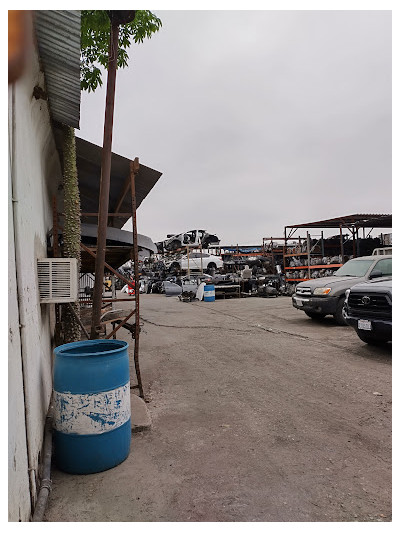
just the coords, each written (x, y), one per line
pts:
(325, 305)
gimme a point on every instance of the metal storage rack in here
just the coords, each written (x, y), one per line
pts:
(306, 255)
(272, 250)
(351, 223)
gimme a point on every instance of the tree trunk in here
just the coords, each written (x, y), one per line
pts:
(72, 226)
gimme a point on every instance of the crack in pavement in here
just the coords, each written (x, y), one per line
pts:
(257, 326)
(190, 327)
(274, 331)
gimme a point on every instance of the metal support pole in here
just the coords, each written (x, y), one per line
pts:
(322, 244)
(284, 255)
(113, 291)
(134, 169)
(358, 244)
(341, 243)
(272, 256)
(105, 180)
(308, 255)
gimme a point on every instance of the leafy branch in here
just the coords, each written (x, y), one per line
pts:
(95, 37)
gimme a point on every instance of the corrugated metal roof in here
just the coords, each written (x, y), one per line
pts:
(88, 162)
(355, 221)
(59, 41)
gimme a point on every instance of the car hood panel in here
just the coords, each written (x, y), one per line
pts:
(330, 281)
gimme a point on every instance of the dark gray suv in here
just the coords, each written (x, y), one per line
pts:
(368, 309)
(325, 296)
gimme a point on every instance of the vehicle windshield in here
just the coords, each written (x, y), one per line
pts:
(354, 268)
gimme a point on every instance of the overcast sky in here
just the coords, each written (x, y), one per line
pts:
(257, 119)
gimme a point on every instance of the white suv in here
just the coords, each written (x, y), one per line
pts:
(196, 261)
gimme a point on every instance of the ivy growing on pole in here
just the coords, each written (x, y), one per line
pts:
(72, 225)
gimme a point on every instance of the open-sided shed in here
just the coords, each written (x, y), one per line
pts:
(352, 223)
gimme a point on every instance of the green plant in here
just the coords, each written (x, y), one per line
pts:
(72, 225)
(95, 37)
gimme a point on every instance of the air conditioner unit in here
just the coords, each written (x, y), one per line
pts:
(58, 280)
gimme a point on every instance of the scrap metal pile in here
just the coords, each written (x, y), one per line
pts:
(251, 278)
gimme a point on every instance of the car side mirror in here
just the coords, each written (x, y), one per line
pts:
(376, 274)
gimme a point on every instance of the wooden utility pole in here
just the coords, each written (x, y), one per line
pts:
(104, 193)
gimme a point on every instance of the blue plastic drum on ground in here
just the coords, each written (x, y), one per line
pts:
(209, 293)
(92, 411)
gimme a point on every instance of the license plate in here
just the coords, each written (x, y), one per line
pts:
(365, 324)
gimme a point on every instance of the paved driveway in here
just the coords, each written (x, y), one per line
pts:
(259, 414)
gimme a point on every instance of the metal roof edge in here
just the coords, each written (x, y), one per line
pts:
(59, 42)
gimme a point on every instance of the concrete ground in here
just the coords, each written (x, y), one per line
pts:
(258, 414)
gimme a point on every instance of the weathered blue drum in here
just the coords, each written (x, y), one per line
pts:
(92, 413)
(209, 293)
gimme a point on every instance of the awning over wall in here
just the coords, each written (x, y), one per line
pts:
(89, 171)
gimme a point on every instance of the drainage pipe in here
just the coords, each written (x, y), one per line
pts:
(45, 484)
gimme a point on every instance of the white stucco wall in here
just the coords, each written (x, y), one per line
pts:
(18, 482)
(35, 175)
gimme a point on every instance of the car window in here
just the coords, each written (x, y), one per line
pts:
(384, 266)
(204, 255)
(354, 267)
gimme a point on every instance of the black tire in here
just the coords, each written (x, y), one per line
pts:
(338, 316)
(315, 316)
(211, 266)
(175, 267)
(367, 338)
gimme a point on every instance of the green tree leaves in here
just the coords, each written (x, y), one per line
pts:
(95, 37)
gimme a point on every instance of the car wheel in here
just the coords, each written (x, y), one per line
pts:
(365, 337)
(338, 316)
(315, 316)
(211, 266)
(175, 267)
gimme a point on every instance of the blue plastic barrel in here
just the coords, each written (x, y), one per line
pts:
(92, 411)
(209, 293)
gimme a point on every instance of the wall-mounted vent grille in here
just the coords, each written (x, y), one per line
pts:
(58, 280)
